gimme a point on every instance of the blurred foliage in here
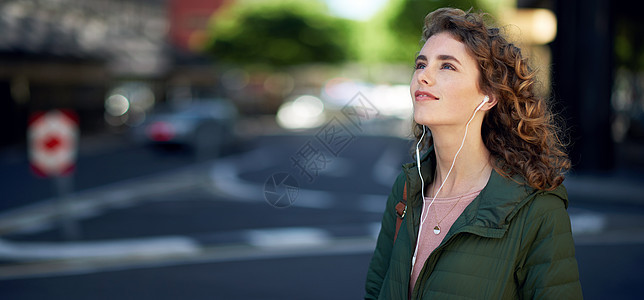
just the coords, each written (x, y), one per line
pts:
(291, 32)
(394, 34)
(279, 33)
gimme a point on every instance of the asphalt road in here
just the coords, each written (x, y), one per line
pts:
(101, 160)
(321, 277)
(176, 229)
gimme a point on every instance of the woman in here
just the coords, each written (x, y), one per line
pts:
(487, 218)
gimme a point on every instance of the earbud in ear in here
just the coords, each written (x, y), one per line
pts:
(485, 99)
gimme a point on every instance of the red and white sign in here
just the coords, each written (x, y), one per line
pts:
(53, 140)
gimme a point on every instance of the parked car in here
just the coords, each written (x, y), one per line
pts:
(206, 126)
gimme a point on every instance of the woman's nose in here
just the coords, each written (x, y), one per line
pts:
(425, 77)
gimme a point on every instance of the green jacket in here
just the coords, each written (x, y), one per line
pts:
(511, 242)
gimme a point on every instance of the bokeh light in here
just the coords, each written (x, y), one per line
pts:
(302, 113)
(117, 105)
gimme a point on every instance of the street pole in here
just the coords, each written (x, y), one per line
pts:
(69, 226)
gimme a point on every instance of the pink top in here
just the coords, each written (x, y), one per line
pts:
(449, 209)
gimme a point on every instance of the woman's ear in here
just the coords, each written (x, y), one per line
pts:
(491, 102)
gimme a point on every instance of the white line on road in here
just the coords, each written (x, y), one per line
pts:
(288, 237)
(216, 254)
(587, 222)
(226, 181)
(143, 247)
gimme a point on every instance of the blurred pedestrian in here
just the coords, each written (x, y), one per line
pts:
(482, 212)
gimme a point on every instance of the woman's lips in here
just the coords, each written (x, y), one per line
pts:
(423, 96)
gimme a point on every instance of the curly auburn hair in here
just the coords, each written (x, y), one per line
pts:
(519, 131)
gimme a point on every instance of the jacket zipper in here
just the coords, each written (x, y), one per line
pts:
(429, 265)
(431, 261)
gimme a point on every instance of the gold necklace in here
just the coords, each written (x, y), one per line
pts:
(437, 228)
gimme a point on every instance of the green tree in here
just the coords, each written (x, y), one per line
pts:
(394, 34)
(278, 33)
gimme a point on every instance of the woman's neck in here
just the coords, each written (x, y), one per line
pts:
(472, 166)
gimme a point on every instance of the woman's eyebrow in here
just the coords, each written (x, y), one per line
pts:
(440, 57)
(448, 57)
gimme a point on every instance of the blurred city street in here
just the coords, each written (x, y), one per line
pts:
(209, 230)
(245, 149)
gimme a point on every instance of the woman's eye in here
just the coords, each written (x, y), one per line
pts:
(448, 66)
(419, 66)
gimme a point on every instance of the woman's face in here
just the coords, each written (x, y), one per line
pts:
(444, 86)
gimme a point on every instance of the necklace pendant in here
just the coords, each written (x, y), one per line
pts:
(437, 230)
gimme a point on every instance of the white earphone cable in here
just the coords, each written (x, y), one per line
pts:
(422, 182)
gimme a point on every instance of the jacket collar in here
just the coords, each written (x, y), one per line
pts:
(490, 212)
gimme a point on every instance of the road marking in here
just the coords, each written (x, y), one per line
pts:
(35, 251)
(216, 254)
(226, 181)
(292, 237)
(587, 223)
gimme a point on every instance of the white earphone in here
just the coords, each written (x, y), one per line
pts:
(485, 99)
